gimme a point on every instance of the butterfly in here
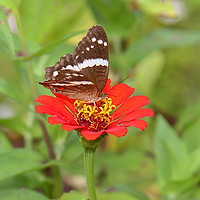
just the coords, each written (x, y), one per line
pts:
(83, 74)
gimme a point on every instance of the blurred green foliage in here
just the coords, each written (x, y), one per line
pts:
(158, 43)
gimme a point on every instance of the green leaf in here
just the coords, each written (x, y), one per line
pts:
(38, 17)
(181, 187)
(127, 160)
(15, 124)
(194, 162)
(72, 150)
(113, 12)
(189, 116)
(73, 196)
(5, 145)
(20, 161)
(116, 196)
(158, 8)
(168, 147)
(148, 71)
(6, 89)
(132, 191)
(31, 180)
(177, 174)
(21, 194)
(159, 39)
(11, 5)
(45, 49)
(191, 135)
(6, 39)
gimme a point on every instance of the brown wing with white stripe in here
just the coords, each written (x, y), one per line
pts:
(66, 78)
(91, 56)
(82, 75)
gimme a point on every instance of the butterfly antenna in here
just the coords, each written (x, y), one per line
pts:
(121, 82)
(125, 78)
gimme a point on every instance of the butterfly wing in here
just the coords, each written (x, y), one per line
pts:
(91, 56)
(82, 75)
(66, 78)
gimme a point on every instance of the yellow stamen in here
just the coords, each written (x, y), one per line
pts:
(94, 117)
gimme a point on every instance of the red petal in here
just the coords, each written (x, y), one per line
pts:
(89, 135)
(57, 120)
(52, 111)
(54, 104)
(140, 113)
(141, 124)
(120, 93)
(67, 102)
(107, 87)
(130, 105)
(118, 131)
(70, 127)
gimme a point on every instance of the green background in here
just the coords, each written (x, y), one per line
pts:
(158, 42)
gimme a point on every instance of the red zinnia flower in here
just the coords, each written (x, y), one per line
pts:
(110, 115)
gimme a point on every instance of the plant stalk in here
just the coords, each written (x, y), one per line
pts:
(47, 139)
(89, 171)
(57, 182)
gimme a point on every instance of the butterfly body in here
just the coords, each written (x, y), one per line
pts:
(83, 74)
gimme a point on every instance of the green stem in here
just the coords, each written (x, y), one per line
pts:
(57, 182)
(89, 171)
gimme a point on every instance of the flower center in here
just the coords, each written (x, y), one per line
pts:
(94, 117)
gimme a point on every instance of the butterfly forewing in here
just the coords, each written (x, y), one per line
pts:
(82, 75)
(91, 56)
